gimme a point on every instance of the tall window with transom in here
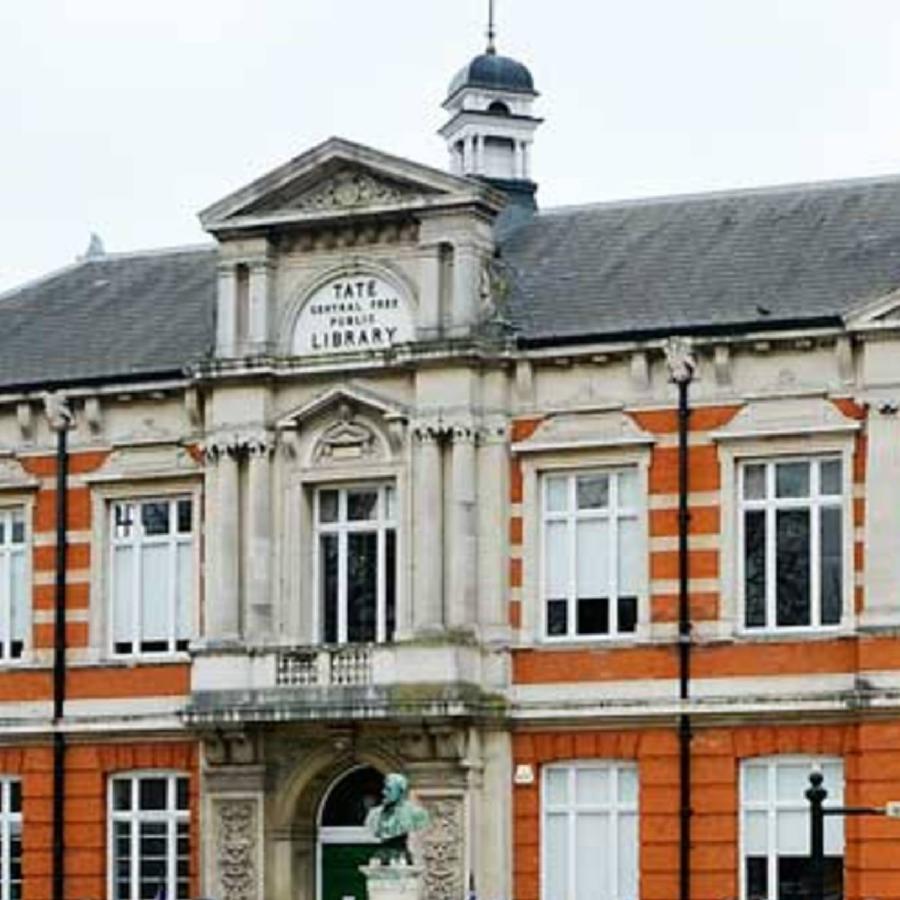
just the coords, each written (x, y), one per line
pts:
(589, 834)
(151, 575)
(150, 836)
(13, 583)
(792, 539)
(356, 563)
(10, 839)
(592, 551)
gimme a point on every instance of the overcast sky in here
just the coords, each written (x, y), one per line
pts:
(126, 117)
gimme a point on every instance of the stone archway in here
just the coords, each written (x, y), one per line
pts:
(342, 841)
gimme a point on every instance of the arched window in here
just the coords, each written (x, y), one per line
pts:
(499, 108)
(349, 801)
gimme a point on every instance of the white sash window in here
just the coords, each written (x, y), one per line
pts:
(592, 554)
(792, 543)
(13, 583)
(151, 575)
(589, 831)
(149, 821)
(775, 827)
(356, 562)
(10, 839)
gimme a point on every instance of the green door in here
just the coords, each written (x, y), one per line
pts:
(341, 878)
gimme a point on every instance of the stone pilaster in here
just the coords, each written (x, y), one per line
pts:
(259, 557)
(463, 528)
(428, 534)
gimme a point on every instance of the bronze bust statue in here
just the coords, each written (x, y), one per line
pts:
(395, 819)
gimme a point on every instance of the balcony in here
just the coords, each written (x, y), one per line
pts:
(235, 684)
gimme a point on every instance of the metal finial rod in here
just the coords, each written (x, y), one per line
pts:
(491, 32)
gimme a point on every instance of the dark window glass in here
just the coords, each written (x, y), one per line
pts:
(350, 800)
(185, 519)
(557, 618)
(592, 491)
(181, 793)
(757, 878)
(792, 479)
(15, 861)
(328, 506)
(755, 569)
(830, 478)
(121, 795)
(792, 566)
(593, 615)
(15, 796)
(755, 482)
(793, 877)
(362, 586)
(390, 584)
(628, 608)
(122, 862)
(123, 514)
(830, 563)
(18, 531)
(329, 563)
(16, 648)
(362, 506)
(152, 793)
(155, 518)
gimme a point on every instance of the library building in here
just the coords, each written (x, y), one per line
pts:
(581, 518)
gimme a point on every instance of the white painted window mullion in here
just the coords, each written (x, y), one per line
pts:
(342, 568)
(815, 549)
(137, 535)
(172, 566)
(381, 569)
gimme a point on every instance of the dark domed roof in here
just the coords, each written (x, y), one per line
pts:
(498, 73)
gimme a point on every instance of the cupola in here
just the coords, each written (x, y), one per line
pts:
(491, 126)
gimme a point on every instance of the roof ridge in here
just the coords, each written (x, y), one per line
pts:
(701, 196)
(40, 279)
(153, 251)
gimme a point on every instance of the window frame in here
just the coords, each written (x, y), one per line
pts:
(572, 516)
(171, 816)
(612, 810)
(8, 819)
(104, 495)
(733, 452)
(537, 463)
(9, 503)
(771, 763)
(344, 527)
(771, 505)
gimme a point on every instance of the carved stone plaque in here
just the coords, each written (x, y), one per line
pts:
(236, 849)
(441, 848)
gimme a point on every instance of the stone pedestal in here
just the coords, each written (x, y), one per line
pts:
(395, 881)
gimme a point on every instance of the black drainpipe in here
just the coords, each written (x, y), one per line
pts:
(682, 369)
(60, 418)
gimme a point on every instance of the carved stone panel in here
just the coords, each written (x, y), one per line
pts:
(236, 849)
(441, 848)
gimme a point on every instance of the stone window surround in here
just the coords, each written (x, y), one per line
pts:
(103, 494)
(534, 466)
(732, 453)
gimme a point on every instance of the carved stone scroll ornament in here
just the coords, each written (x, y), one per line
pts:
(349, 188)
(442, 848)
(237, 851)
(348, 438)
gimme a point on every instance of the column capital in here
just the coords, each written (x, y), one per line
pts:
(238, 444)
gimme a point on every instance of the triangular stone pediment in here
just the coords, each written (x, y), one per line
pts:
(351, 396)
(784, 417)
(350, 187)
(882, 312)
(340, 178)
(581, 430)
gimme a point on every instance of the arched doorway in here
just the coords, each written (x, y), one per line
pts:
(343, 843)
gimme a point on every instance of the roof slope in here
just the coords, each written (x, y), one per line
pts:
(745, 259)
(121, 315)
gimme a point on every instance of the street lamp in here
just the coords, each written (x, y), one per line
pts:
(816, 795)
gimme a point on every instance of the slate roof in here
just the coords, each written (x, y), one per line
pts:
(745, 260)
(120, 314)
(740, 260)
